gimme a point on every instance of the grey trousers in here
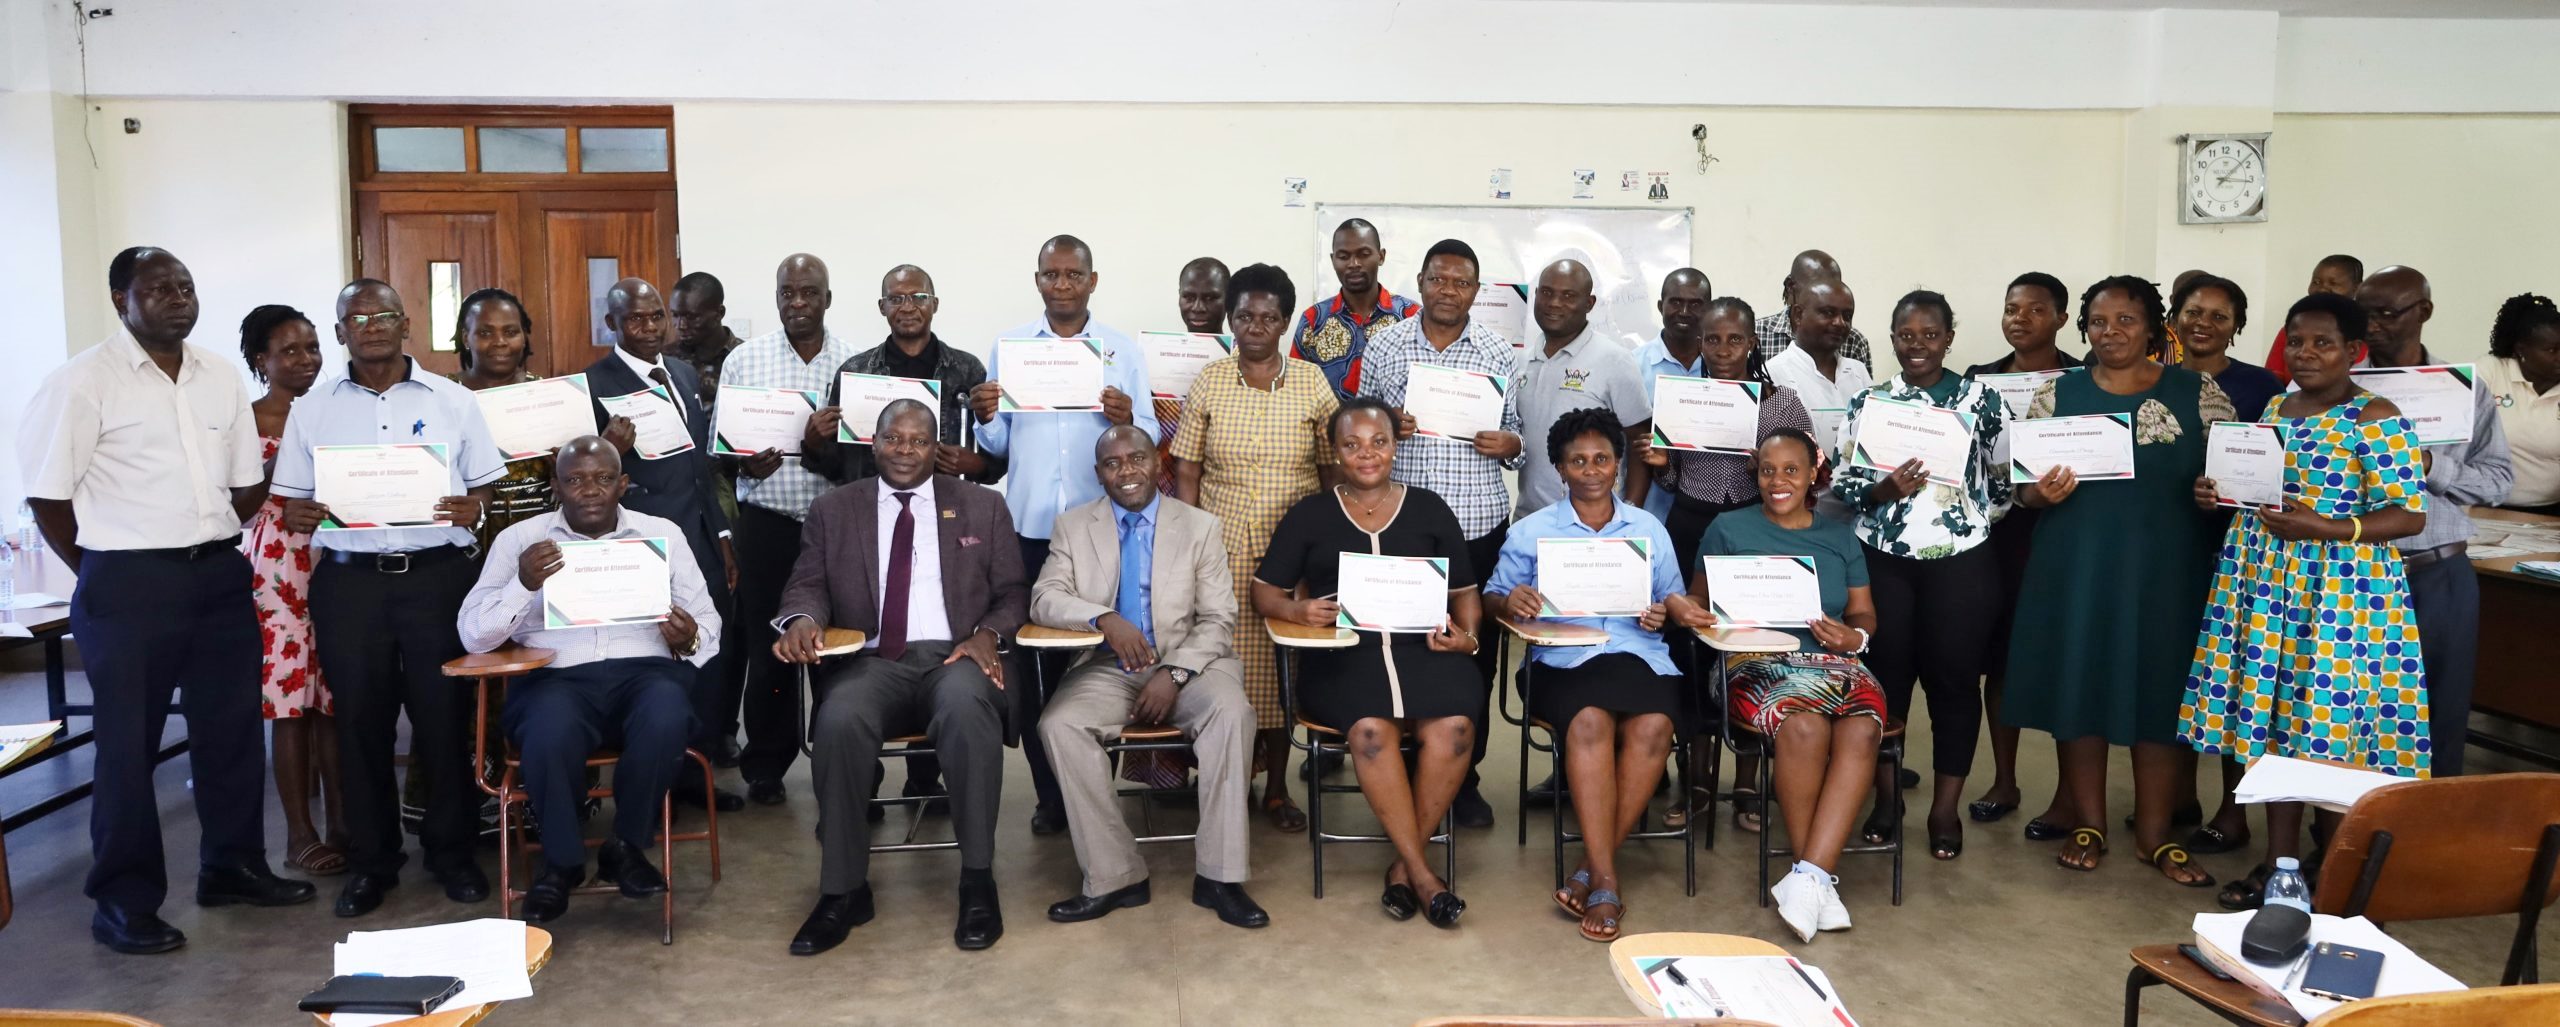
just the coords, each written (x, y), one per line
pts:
(871, 700)
(1089, 708)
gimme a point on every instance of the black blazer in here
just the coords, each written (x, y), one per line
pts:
(681, 488)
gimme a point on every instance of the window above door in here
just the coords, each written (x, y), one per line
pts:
(413, 147)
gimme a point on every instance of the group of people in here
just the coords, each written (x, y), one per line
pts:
(2339, 625)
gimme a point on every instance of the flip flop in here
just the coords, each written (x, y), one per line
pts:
(1564, 895)
(1985, 811)
(2170, 855)
(1608, 924)
(1748, 810)
(2210, 841)
(2087, 840)
(2042, 830)
(1677, 815)
(1286, 816)
(2248, 892)
(318, 859)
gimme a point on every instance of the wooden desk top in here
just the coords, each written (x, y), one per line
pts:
(839, 641)
(504, 661)
(2237, 1002)
(45, 572)
(1554, 633)
(1041, 636)
(1300, 636)
(2505, 566)
(537, 954)
(1748, 640)
(1624, 952)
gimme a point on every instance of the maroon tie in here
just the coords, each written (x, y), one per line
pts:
(902, 568)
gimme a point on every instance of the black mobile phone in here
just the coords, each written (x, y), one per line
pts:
(2196, 956)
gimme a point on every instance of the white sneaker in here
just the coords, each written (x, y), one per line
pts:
(1799, 898)
(1835, 917)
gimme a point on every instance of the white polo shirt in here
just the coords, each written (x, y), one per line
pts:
(147, 462)
(2532, 421)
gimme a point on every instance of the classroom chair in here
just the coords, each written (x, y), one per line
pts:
(1538, 634)
(2519, 1005)
(1321, 741)
(909, 747)
(1046, 642)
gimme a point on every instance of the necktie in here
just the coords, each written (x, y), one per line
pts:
(659, 375)
(902, 568)
(1136, 566)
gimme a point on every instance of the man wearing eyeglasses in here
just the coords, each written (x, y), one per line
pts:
(383, 601)
(1049, 453)
(912, 350)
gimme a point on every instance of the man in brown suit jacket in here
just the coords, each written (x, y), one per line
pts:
(926, 566)
(1150, 573)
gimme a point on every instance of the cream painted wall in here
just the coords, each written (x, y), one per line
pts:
(2468, 200)
(1957, 201)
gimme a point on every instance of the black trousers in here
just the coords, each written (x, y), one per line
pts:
(1481, 554)
(2446, 595)
(383, 640)
(712, 700)
(148, 625)
(866, 700)
(1027, 700)
(1687, 524)
(1932, 620)
(767, 544)
(558, 717)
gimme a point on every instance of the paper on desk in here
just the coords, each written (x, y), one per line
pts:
(488, 954)
(2494, 552)
(2403, 972)
(19, 741)
(2285, 779)
(1765, 989)
(36, 600)
(10, 630)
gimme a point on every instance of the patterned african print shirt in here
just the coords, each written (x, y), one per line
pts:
(1940, 520)
(1335, 337)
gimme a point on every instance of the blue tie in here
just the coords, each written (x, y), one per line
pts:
(1137, 570)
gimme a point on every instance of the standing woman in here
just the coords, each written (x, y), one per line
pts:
(2524, 377)
(1251, 445)
(2032, 314)
(2308, 647)
(283, 350)
(2100, 652)
(1936, 583)
(2210, 312)
(1387, 685)
(493, 338)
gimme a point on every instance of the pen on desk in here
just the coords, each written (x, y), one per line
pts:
(2294, 979)
(1683, 981)
(1808, 979)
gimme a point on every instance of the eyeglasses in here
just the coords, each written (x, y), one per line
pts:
(1069, 277)
(1444, 282)
(906, 299)
(387, 319)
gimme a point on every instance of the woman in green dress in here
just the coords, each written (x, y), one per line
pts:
(2106, 612)
(493, 338)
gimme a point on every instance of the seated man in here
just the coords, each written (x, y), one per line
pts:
(1151, 575)
(617, 686)
(934, 608)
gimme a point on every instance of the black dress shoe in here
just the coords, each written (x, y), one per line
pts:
(134, 934)
(249, 883)
(765, 793)
(464, 883)
(1094, 907)
(1229, 901)
(981, 919)
(836, 916)
(1048, 820)
(549, 896)
(1542, 794)
(363, 893)
(1471, 809)
(727, 801)
(622, 864)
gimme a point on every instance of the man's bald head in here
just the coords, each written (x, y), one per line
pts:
(2401, 277)
(1562, 303)
(2397, 302)
(586, 450)
(1123, 434)
(1124, 461)
(617, 301)
(801, 263)
(1567, 272)
(801, 295)
(637, 317)
(1808, 267)
(1686, 279)
(1067, 244)
(916, 275)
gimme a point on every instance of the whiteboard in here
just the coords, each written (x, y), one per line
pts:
(1629, 251)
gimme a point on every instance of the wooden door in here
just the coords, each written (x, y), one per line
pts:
(436, 248)
(584, 242)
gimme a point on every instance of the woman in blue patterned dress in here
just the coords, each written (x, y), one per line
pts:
(2309, 647)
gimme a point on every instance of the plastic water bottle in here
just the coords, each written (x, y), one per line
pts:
(2285, 887)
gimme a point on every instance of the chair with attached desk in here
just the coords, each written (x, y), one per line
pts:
(1730, 644)
(1133, 738)
(910, 747)
(1537, 634)
(1321, 741)
(537, 954)
(491, 673)
(2417, 850)
(2524, 1004)
(1625, 952)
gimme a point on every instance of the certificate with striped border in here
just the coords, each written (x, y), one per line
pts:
(751, 420)
(1050, 376)
(1762, 591)
(1594, 577)
(1393, 593)
(608, 581)
(370, 488)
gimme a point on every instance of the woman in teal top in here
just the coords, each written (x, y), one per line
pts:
(2107, 609)
(1821, 710)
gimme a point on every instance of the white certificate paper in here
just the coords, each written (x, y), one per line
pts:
(1504, 308)
(750, 420)
(1048, 376)
(1705, 415)
(2017, 389)
(1453, 404)
(1393, 593)
(2097, 447)
(2246, 463)
(2436, 398)
(1175, 358)
(609, 581)
(534, 418)
(1595, 577)
(1762, 591)
(1826, 427)
(368, 488)
(1891, 431)
(861, 397)
(657, 428)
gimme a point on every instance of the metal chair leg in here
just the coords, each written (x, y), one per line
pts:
(1767, 763)
(667, 859)
(1897, 823)
(1689, 834)
(1555, 764)
(2134, 982)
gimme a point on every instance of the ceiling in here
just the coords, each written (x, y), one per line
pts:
(2306, 8)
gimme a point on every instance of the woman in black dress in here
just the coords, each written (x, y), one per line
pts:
(1388, 684)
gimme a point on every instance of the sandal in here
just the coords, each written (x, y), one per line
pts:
(2170, 856)
(1880, 826)
(1985, 811)
(2210, 841)
(1747, 810)
(1700, 801)
(2087, 842)
(2042, 830)
(1608, 924)
(1943, 847)
(2247, 892)
(318, 859)
(1285, 815)
(1564, 895)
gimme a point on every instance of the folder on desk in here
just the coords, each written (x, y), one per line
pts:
(19, 741)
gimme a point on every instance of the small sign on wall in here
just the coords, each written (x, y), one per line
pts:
(1498, 184)
(1583, 181)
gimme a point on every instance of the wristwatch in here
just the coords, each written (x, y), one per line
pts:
(1180, 676)
(691, 646)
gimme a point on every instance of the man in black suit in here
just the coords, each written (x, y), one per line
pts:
(680, 487)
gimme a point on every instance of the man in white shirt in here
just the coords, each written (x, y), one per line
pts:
(1818, 372)
(141, 460)
(623, 686)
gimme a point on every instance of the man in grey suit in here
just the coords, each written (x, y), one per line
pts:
(926, 566)
(1151, 574)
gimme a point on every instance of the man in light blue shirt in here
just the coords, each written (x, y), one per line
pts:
(1679, 350)
(1048, 453)
(383, 600)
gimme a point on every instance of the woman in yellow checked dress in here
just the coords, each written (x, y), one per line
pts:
(2309, 648)
(1252, 444)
